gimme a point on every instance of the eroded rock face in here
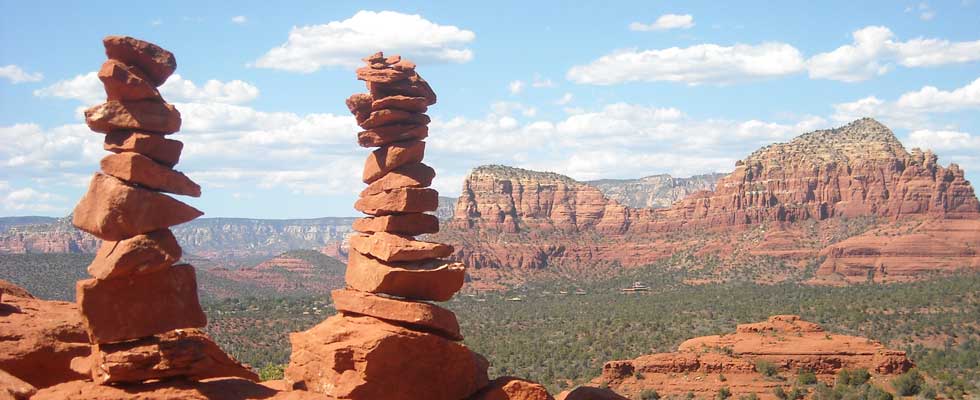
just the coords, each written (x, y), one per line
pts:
(39, 338)
(365, 358)
(787, 341)
(215, 389)
(13, 388)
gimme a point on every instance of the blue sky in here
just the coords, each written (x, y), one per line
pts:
(595, 90)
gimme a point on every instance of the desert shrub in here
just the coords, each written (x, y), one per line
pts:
(877, 393)
(796, 393)
(806, 378)
(928, 393)
(649, 394)
(780, 393)
(853, 377)
(909, 383)
(639, 376)
(724, 393)
(750, 396)
(765, 368)
(722, 378)
(270, 372)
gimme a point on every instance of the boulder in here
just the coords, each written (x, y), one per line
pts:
(589, 393)
(395, 201)
(417, 175)
(414, 315)
(387, 158)
(140, 305)
(387, 134)
(113, 210)
(11, 289)
(123, 82)
(511, 388)
(178, 389)
(434, 280)
(39, 338)
(141, 254)
(13, 388)
(142, 170)
(364, 358)
(388, 247)
(157, 147)
(414, 86)
(359, 104)
(399, 102)
(158, 64)
(405, 224)
(187, 353)
(388, 117)
(148, 115)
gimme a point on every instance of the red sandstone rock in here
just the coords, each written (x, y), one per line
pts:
(406, 103)
(388, 247)
(433, 280)
(148, 115)
(391, 116)
(113, 210)
(365, 358)
(415, 315)
(123, 82)
(417, 175)
(405, 224)
(510, 388)
(395, 201)
(359, 104)
(139, 169)
(215, 389)
(13, 388)
(140, 305)
(141, 254)
(385, 159)
(413, 86)
(157, 63)
(387, 134)
(589, 393)
(187, 353)
(11, 289)
(386, 75)
(39, 338)
(160, 149)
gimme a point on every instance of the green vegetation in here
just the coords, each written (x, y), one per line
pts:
(46, 276)
(271, 372)
(724, 393)
(765, 368)
(649, 394)
(806, 378)
(853, 377)
(909, 383)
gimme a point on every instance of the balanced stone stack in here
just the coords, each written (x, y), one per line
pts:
(388, 342)
(140, 308)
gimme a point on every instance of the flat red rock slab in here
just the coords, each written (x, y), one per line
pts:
(383, 135)
(414, 86)
(365, 358)
(388, 247)
(434, 280)
(142, 170)
(395, 201)
(123, 82)
(12, 388)
(113, 210)
(175, 389)
(405, 103)
(388, 117)
(140, 305)
(188, 353)
(158, 64)
(148, 115)
(387, 158)
(141, 254)
(382, 75)
(511, 388)
(359, 104)
(405, 224)
(414, 314)
(157, 147)
(415, 175)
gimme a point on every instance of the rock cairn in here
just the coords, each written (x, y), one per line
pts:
(387, 341)
(141, 310)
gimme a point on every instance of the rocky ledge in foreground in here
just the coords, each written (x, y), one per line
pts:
(786, 343)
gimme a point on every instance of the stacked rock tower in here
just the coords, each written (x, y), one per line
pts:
(387, 341)
(140, 308)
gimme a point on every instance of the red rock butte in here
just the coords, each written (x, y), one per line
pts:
(786, 341)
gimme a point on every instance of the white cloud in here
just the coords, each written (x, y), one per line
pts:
(17, 74)
(87, 89)
(912, 110)
(874, 50)
(943, 140)
(344, 43)
(565, 99)
(239, 19)
(515, 87)
(665, 22)
(540, 82)
(28, 200)
(699, 64)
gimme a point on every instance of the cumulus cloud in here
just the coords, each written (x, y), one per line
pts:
(239, 19)
(344, 43)
(28, 200)
(699, 64)
(16, 74)
(87, 88)
(515, 87)
(912, 110)
(665, 22)
(565, 99)
(874, 50)
(943, 140)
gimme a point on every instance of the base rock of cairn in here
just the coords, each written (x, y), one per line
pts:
(387, 341)
(140, 307)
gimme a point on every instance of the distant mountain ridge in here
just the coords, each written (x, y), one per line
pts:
(655, 191)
